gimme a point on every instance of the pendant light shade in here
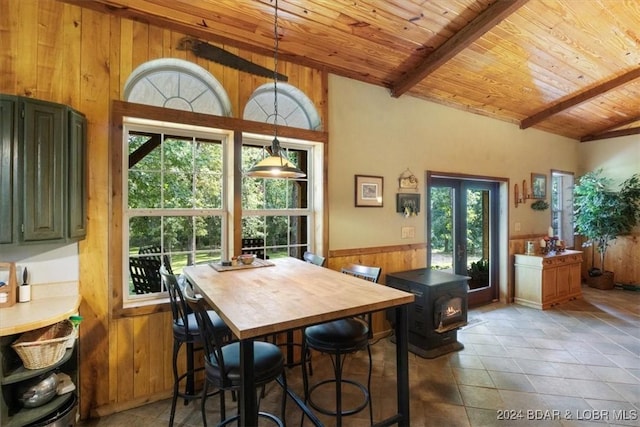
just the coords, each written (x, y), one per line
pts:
(275, 166)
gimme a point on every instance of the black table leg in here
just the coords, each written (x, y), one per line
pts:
(402, 361)
(248, 404)
(402, 417)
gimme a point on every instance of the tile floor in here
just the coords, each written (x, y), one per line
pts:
(577, 364)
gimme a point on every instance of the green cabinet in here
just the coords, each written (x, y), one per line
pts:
(77, 183)
(46, 174)
(7, 136)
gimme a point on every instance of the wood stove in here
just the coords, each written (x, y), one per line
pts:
(439, 310)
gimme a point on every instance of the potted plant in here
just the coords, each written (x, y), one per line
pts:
(601, 214)
(479, 273)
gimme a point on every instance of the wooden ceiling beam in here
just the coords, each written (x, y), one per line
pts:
(580, 98)
(483, 23)
(611, 134)
(618, 125)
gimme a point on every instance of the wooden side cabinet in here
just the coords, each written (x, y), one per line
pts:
(43, 171)
(542, 281)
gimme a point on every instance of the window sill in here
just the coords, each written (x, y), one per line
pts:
(142, 308)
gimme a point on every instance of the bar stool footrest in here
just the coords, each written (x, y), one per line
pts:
(345, 412)
(262, 414)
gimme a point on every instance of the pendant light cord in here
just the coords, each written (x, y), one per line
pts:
(275, 70)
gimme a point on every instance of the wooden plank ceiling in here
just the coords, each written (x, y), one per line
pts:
(569, 67)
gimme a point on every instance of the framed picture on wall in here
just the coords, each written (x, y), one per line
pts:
(408, 204)
(538, 186)
(368, 191)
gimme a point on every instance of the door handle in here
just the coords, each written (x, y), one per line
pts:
(462, 249)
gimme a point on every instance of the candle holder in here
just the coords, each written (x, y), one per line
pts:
(551, 245)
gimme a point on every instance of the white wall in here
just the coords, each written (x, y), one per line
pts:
(45, 263)
(619, 158)
(372, 133)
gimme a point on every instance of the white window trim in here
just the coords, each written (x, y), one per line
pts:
(315, 211)
(190, 131)
(315, 198)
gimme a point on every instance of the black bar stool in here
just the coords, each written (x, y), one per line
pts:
(185, 331)
(222, 364)
(338, 339)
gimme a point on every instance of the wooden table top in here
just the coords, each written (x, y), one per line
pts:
(291, 294)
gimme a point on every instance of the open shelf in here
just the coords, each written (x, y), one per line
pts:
(28, 415)
(17, 372)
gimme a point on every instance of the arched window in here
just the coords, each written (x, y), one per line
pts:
(295, 109)
(178, 84)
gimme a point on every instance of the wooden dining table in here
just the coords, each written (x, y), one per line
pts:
(288, 294)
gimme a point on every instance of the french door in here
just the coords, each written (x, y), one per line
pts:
(463, 232)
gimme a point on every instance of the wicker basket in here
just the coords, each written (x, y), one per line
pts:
(44, 347)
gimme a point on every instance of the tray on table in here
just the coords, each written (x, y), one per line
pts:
(258, 262)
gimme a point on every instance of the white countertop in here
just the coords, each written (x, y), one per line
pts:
(553, 254)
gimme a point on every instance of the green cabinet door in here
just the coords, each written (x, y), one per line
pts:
(44, 170)
(7, 147)
(77, 174)
(43, 173)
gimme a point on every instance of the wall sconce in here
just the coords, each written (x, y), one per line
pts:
(521, 196)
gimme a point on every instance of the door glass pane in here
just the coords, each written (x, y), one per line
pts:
(441, 239)
(477, 237)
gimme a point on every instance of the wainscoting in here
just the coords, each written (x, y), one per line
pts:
(390, 258)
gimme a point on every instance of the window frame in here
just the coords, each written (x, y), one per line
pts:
(565, 229)
(235, 129)
(308, 212)
(169, 130)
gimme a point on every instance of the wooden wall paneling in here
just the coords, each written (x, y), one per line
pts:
(50, 42)
(167, 49)
(139, 356)
(176, 53)
(247, 83)
(167, 353)
(9, 51)
(154, 42)
(27, 46)
(623, 258)
(232, 81)
(107, 375)
(67, 86)
(140, 44)
(125, 378)
(94, 91)
(294, 74)
(124, 66)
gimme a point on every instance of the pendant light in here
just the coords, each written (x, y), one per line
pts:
(275, 166)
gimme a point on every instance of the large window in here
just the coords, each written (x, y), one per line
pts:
(277, 216)
(175, 213)
(562, 206)
(177, 202)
